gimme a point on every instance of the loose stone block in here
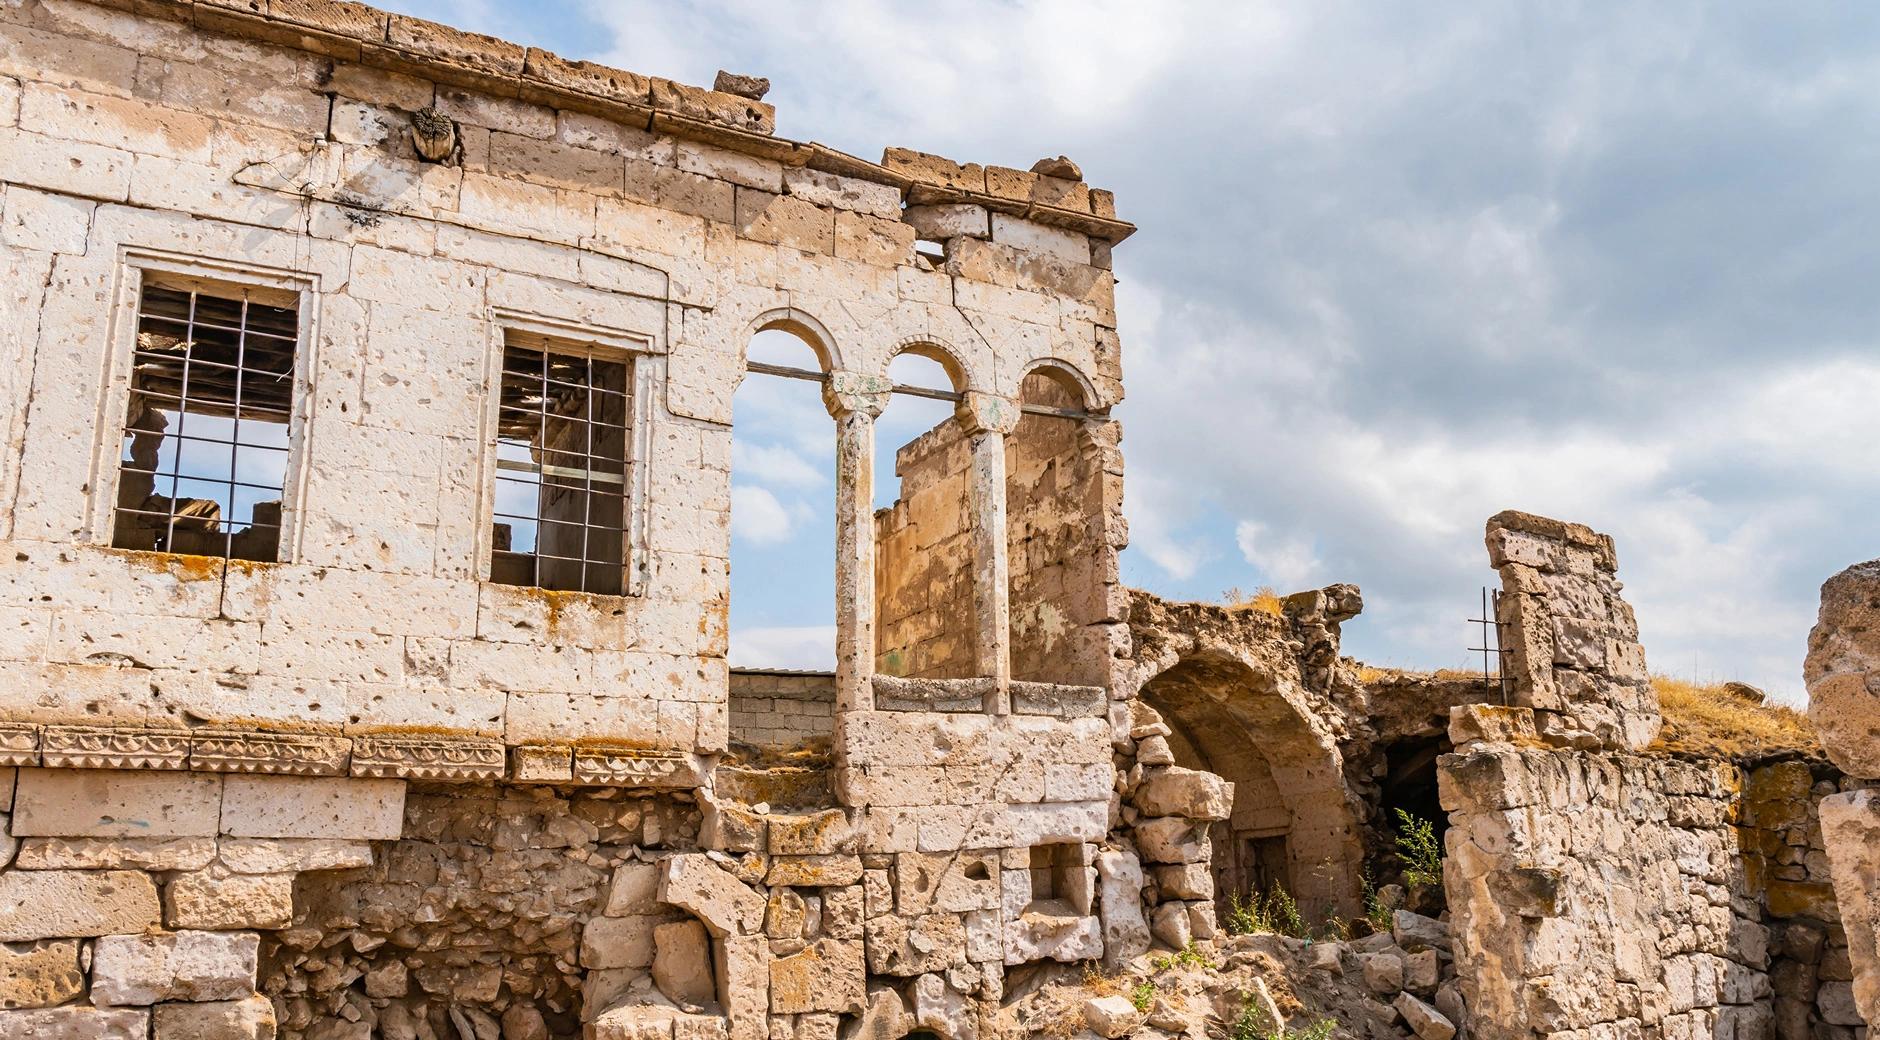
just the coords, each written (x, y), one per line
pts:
(49, 904)
(239, 901)
(116, 804)
(39, 974)
(618, 942)
(700, 887)
(312, 807)
(682, 963)
(146, 969)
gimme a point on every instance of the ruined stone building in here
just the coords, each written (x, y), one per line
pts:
(365, 505)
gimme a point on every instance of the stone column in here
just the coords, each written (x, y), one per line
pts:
(855, 400)
(986, 420)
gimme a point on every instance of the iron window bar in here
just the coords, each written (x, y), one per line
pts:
(207, 370)
(563, 423)
(1491, 633)
(953, 396)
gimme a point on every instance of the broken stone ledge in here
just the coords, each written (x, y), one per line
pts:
(412, 46)
(966, 696)
(430, 757)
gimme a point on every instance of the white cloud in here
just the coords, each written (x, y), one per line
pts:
(757, 517)
(774, 464)
(806, 647)
(1288, 564)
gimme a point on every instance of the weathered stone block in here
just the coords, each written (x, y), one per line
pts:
(312, 807)
(146, 969)
(39, 974)
(203, 901)
(291, 855)
(914, 945)
(682, 963)
(116, 853)
(250, 1018)
(76, 1023)
(827, 975)
(116, 804)
(50, 904)
(695, 884)
(618, 942)
(1843, 670)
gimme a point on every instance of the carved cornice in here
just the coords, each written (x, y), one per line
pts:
(633, 767)
(391, 756)
(96, 747)
(431, 758)
(293, 754)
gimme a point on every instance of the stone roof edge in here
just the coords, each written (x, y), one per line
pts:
(367, 35)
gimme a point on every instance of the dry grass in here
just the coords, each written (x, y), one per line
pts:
(1712, 720)
(1265, 599)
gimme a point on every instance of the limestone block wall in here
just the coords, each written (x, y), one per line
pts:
(139, 903)
(211, 143)
(1843, 674)
(1570, 639)
(782, 711)
(1601, 894)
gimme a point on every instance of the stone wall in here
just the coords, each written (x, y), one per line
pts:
(1064, 517)
(208, 143)
(1786, 865)
(781, 710)
(1570, 640)
(1843, 674)
(1598, 893)
(138, 904)
(924, 562)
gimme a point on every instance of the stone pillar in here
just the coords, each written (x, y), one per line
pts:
(986, 419)
(855, 400)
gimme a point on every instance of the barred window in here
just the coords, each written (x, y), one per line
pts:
(561, 468)
(204, 458)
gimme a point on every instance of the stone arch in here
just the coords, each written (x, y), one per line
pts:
(803, 326)
(1293, 822)
(1067, 376)
(941, 353)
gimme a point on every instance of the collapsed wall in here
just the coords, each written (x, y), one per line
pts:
(1601, 886)
(1843, 675)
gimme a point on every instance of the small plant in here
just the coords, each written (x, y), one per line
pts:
(1418, 850)
(1189, 956)
(1251, 1023)
(1276, 911)
(1320, 1030)
(1143, 995)
(1375, 911)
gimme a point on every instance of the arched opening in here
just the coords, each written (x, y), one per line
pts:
(923, 523)
(1292, 824)
(782, 615)
(1059, 490)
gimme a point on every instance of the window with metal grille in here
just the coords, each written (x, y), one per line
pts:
(204, 458)
(560, 516)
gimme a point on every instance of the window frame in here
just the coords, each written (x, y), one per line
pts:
(138, 267)
(644, 369)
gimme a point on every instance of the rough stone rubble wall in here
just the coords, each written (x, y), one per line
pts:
(924, 561)
(1601, 894)
(1843, 674)
(1571, 640)
(1064, 506)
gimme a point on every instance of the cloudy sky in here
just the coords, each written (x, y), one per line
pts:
(1400, 266)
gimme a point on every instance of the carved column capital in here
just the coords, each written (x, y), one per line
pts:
(986, 413)
(846, 393)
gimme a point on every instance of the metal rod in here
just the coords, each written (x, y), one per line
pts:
(811, 375)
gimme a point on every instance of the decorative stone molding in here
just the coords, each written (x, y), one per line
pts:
(19, 744)
(632, 767)
(428, 759)
(1060, 701)
(91, 747)
(895, 693)
(293, 754)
